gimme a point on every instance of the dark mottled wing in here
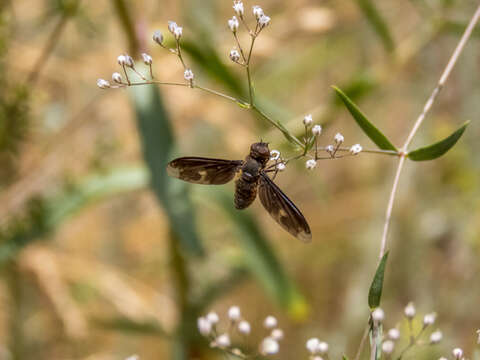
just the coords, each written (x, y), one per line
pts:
(282, 209)
(199, 170)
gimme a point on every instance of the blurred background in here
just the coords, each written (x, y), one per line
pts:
(103, 256)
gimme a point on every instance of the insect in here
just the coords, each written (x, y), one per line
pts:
(252, 177)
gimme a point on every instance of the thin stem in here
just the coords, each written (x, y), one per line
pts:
(214, 92)
(362, 343)
(428, 105)
(249, 76)
(179, 54)
(240, 47)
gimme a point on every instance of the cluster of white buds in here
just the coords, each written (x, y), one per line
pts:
(238, 8)
(339, 139)
(158, 37)
(208, 326)
(234, 55)
(307, 120)
(233, 24)
(310, 164)
(188, 75)
(126, 60)
(147, 59)
(316, 347)
(176, 30)
(103, 84)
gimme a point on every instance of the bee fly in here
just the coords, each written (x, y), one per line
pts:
(252, 177)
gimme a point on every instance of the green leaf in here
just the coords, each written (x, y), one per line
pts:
(261, 260)
(158, 145)
(344, 357)
(375, 292)
(378, 23)
(439, 148)
(368, 128)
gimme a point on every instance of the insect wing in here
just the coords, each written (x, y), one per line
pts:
(199, 170)
(282, 209)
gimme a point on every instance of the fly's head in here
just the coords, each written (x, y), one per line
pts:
(260, 152)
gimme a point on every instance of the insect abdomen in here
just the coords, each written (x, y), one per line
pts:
(245, 192)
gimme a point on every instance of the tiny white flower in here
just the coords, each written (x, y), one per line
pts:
(233, 24)
(147, 59)
(339, 138)
(244, 327)
(277, 334)
(204, 326)
(457, 353)
(312, 345)
(257, 11)
(238, 7)
(436, 337)
(356, 149)
(270, 322)
(317, 130)
(188, 75)
(388, 346)
(158, 37)
(274, 155)
(269, 346)
(103, 84)
(310, 164)
(429, 319)
(410, 311)
(264, 21)
(307, 120)
(330, 149)
(129, 61)
(234, 313)
(116, 77)
(172, 25)
(394, 334)
(234, 55)
(122, 60)
(212, 317)
(223, 341)
(178, 32)
(378, 315)
(322, 347)
(281, 166)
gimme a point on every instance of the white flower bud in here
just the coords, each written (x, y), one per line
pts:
(158, 37)
(312, 345)
(307, 120)
(257, 11)
(429, 319)
(330, 149)
(436, 337)
(263, 21)
(457, 353)
(310, 164)
(410, 311)
(322, 347)
(234, 313)
(388, 346)
(270, 322)
(117, 78)
(129, 61)
(244, 327)
(356, 149)
(178, 32)
(172, 25)
(339, 138)
(223, 341)
(233, 24)
(394, 334)
(277, 334)
(316, 130)
(188, 75)
(103, 84)
(204, 326)
(274, 155)
(234, 55)
(212, 317)
(269, 346)
(147, 59)
(378, 315)
(238, 8)
(122, 60)
(281, 166)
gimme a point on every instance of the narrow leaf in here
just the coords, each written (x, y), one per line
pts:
(368, 128)
(378, 24)
(375, 292)
(439, 148)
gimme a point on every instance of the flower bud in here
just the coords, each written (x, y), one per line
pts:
(158, 37)
(429, 319)
(234, 55)
(233, 24)
(356, 149)
(316, 130)
(322, 347)
(394, 334)
(270, 322)
(172, 25)
(378, 315)
(339, 138)
(307, 120)
(277, 334)
(436, 337)
(238, 8)
(223, 341)
(457, 353)
(281, 166)
(244, 327)
(234, 313)
(257, 11)
(269, 346)
(410, 311)
(330, 149)
(388, 346)
(103, 84)
(312, 345)
(204, 326)
(310, 164)
(147, 59)
(188, 75)
(212, 317)
(117, 78)
(263, 21)
(122, 60)
(129, 61)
